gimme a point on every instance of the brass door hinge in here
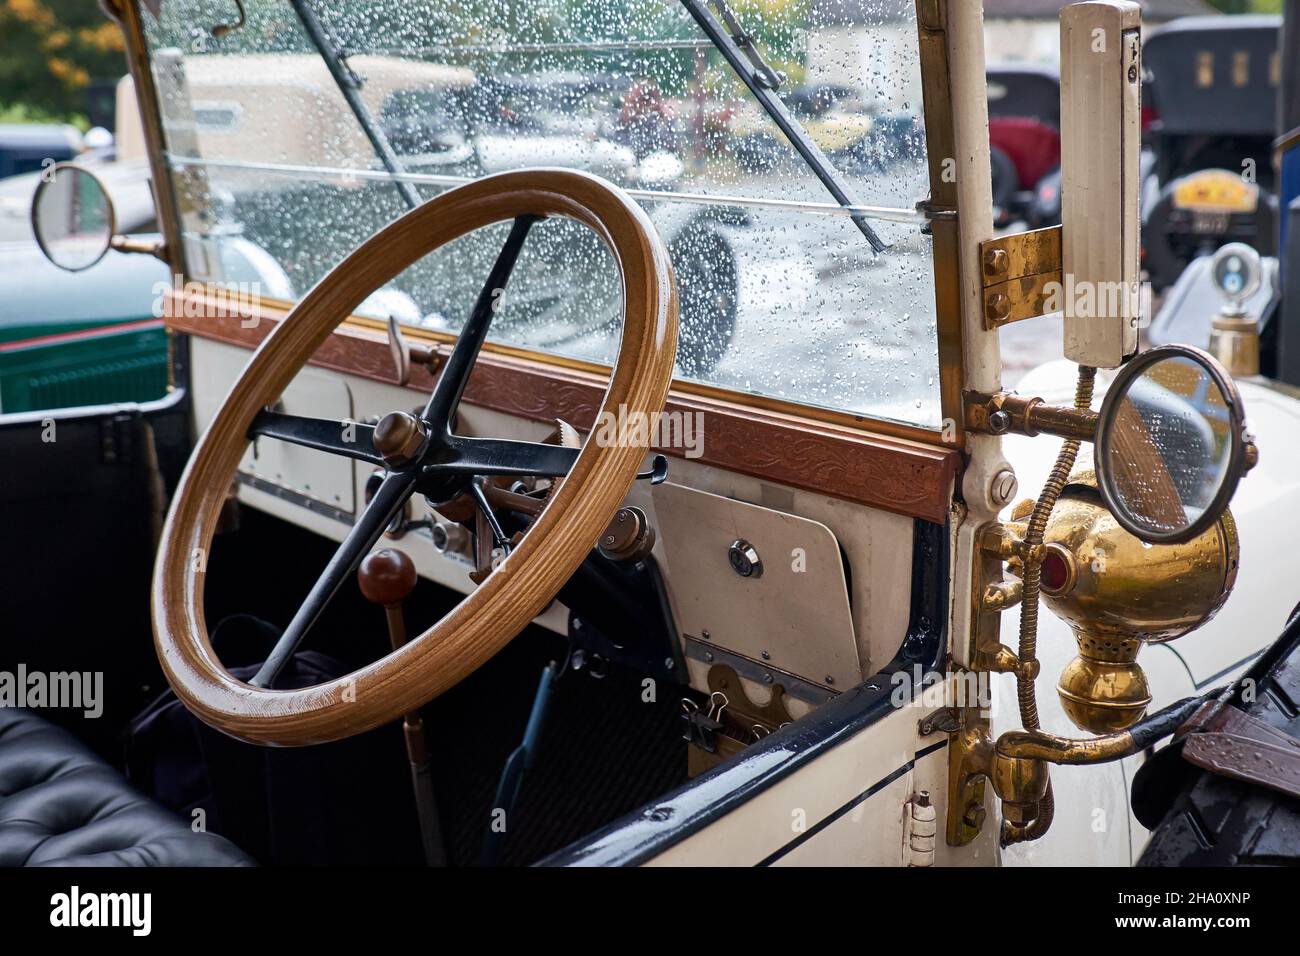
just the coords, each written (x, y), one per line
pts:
(1016, 271)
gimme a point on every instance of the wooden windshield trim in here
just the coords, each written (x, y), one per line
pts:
(889, 472)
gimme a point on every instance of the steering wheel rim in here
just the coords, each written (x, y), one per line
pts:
(510, 597)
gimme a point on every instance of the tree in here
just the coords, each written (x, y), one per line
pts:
(51, 50)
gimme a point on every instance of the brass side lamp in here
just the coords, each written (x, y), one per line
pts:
(1118, 593)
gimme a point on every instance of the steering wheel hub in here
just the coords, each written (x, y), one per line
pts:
(399, 438)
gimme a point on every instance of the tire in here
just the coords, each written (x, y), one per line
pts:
(1199, 818)
(707, 289)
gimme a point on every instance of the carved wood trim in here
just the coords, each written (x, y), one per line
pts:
(895, 474)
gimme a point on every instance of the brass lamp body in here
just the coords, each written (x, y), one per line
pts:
(1118, 594)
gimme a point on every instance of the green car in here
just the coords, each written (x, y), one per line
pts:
(93, 336)
(90, 337)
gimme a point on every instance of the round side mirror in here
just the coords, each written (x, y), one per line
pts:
(1170, 445)
(73, 217)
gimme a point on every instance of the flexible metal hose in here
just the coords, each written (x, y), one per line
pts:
(1033, 565)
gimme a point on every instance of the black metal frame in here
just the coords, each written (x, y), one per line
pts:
(349, 85)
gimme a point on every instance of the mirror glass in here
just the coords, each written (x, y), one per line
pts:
(1165, 450)
(72, 218)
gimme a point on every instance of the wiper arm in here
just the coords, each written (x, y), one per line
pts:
(737, 48)
(349, 85)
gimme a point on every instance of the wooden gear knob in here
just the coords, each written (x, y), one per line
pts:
(387, 577)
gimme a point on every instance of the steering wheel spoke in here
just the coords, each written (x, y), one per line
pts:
(504, 457)
(349, 439)
(455, 373)
(392, 494)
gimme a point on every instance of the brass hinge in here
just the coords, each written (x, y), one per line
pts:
(1016, 270)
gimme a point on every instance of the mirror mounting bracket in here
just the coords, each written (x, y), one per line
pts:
(1005, 412)
(156, 248)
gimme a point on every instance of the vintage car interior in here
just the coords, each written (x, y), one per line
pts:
(596, 493)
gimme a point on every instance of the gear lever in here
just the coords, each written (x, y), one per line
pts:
(387, 577)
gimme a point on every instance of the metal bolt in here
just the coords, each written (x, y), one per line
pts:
(706, 635)
(669, 663)
(999, 423)
(766, 656)
(830, 679)
(767, 678)
(708, 657)
(997, 307)
(1004, 485)
(995, 262)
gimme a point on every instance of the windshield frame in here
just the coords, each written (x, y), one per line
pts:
(938, 213)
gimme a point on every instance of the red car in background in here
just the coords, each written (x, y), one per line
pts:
(1024, 141)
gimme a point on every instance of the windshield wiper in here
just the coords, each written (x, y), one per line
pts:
(738, 49)
(349, 85)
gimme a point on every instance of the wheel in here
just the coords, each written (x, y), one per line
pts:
(707, 287)
(420, 454)
(1200, 818)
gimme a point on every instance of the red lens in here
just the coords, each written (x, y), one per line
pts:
(1055, 572)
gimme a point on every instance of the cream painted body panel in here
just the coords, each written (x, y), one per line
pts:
(863, 784)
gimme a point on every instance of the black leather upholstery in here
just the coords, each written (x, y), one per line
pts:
(60, 805)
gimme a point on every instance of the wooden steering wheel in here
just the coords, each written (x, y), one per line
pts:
(419, 455)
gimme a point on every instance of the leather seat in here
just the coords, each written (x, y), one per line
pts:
(61, 805)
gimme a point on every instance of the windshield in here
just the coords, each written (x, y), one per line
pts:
(782, 293)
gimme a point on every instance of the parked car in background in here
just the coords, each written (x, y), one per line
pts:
(1213, 85)
(82, 338)
(94, 336)
(25, 147)
(447, 124)
(1025, 143)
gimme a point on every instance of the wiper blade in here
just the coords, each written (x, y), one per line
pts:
(349, 85)
(738, 49)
